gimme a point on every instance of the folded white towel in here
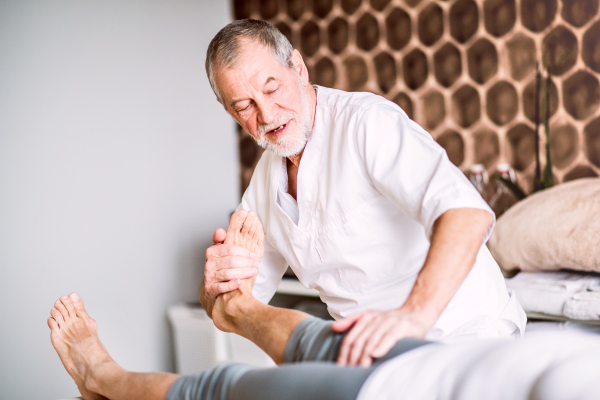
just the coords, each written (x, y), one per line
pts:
(566, 294)
(594, 286)
(583, 305)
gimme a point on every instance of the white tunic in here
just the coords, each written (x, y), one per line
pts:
(371, 183)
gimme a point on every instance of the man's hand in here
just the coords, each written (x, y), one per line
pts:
(374, 333)
(226, 263)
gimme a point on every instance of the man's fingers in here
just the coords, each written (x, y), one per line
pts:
(365, 360)
(233, 250)
(220, 251)
(223, 287)
(387, 342)
(343, 324)
(360, 342)
(376, 336)
(350, 344)
(234, 273)
(237, 262)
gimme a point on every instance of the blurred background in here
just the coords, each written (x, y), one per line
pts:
(116, 166)
(463, 69)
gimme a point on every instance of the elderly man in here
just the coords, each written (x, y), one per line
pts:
(359, 201)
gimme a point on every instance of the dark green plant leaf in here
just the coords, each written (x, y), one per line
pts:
(514, 188)
(548, 176)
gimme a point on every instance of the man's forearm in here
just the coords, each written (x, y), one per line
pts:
(457, 237)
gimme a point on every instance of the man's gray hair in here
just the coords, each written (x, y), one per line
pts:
(223, 50)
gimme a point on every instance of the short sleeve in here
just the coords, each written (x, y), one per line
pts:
(409, 168)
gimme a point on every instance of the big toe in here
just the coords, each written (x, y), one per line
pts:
(77, 304)
(219, 236)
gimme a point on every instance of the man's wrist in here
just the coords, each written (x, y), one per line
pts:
(426, 316)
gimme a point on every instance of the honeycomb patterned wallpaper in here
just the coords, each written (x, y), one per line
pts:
(463, 69)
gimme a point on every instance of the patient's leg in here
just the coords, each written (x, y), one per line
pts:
(312, 373)
(75, 338)
(314, 340)
(239, 312)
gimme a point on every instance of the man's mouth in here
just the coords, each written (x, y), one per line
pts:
(278, 128)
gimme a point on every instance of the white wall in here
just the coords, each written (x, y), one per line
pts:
(116, 165)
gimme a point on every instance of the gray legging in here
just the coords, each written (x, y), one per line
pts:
(311, 372)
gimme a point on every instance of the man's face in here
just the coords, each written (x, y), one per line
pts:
(268, 100)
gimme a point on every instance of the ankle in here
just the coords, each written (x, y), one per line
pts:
(237, 303)
(102, 372)
(230, 307)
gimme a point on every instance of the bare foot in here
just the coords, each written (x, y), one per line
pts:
(75, 339)
(245, 230)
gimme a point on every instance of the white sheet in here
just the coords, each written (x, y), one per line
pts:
(542, 365)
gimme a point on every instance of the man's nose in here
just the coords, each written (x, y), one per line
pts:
(266, 112)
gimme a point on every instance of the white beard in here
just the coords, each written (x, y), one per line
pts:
(293, 142)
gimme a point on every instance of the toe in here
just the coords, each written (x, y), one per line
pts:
(57, 316)
(251, 239)
(260, 234)
(248, 223)
(78, 304)
(235, 225)
(257, 240)
(219, 236)
(69, 306)
(237, 220)
(255, 229)
(62, 309)
(54, 331)
(52, 324)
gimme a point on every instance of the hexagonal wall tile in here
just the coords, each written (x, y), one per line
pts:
(454, 145)
(466, 106)
(447, 66)
(398, 28)
(499, 16)
(431, 24)
(482, 60)
(464, 20)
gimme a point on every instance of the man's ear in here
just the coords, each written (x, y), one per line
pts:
(300, 66)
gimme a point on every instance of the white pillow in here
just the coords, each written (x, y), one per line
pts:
(552, 229)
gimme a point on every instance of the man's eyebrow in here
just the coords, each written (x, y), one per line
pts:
(269, 79)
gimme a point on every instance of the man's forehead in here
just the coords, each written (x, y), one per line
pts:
(255, 68)
(255, 57)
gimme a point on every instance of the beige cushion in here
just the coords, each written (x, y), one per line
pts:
(552, 229)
